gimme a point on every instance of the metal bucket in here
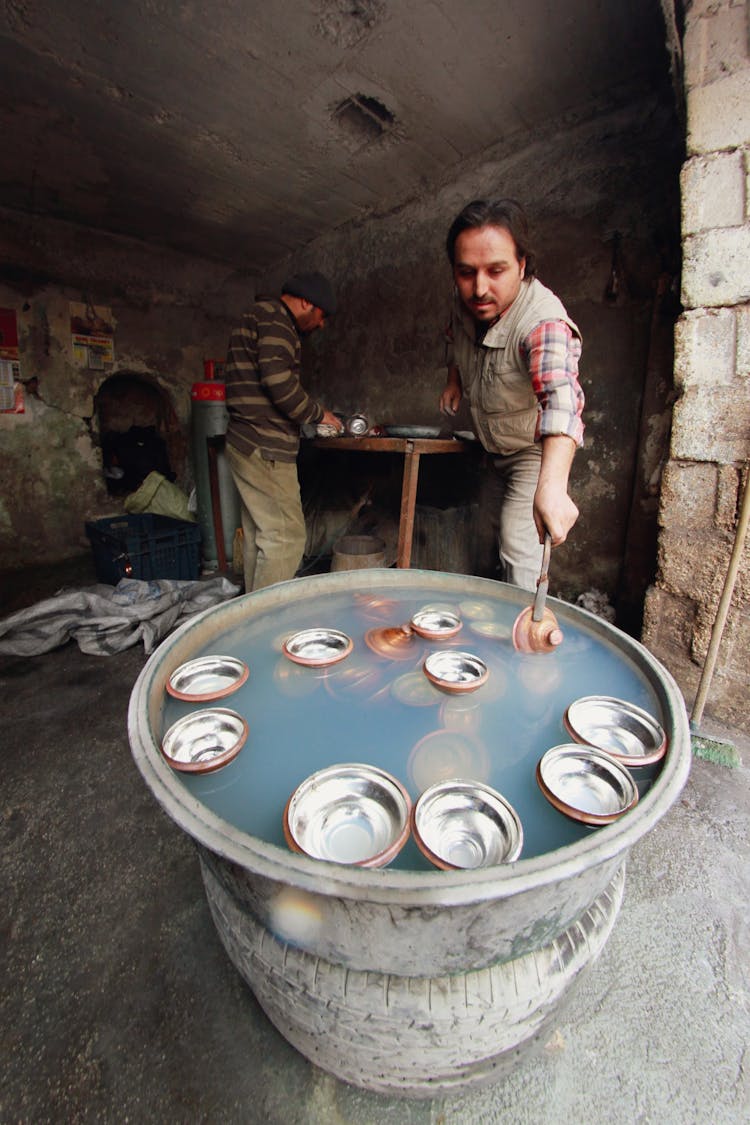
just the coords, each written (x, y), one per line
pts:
(403, 981)
(358, 552)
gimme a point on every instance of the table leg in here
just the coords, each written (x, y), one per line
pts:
(408, 502)
(213, 482)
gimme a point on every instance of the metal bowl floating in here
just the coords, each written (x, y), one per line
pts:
(396, 642)
(463, 825)
(350, 814)
(586, 784)
(317, 648)
(204, 740)
(454, 671)
(435, 624)
(207, 677)
(625, 731)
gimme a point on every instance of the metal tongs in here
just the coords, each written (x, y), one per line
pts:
(536, 629)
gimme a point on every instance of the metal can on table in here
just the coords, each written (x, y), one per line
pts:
(357, 425)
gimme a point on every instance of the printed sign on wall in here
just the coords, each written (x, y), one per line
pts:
(11, 387)
(92, 334)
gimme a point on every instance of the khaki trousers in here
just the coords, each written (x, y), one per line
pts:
(273, 524)
(507, 500)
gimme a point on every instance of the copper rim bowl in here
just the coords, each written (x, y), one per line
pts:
(207, 677)
(463, 825)
(317, 647)
(395, 642)
(455, 671)
(586, 784)
(350, 814)
(623, 730)
(435, 624)
(204, 740)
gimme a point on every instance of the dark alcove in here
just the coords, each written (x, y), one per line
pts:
(139, 432)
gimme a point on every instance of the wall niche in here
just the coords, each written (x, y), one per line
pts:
(139, 432)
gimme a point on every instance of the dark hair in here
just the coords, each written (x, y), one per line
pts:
(505, 213)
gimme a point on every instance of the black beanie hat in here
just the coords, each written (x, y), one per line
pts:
(312, 287)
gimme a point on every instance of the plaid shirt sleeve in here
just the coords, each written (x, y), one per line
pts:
(552, 351)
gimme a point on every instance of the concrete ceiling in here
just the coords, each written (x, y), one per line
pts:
(240, 131)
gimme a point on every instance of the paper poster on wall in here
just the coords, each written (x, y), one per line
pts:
(11, 387)
(92, 335)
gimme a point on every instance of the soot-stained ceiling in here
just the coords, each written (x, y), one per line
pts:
(240, 131)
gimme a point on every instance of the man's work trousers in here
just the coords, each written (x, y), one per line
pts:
(273, 524)
(508, 488)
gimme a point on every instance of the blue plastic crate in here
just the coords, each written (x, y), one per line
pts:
(144, 546)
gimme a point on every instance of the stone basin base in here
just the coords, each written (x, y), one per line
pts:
(414, 1036)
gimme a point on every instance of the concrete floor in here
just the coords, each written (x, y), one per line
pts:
(120, 1004)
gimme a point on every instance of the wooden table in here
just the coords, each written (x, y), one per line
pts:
(412, 448)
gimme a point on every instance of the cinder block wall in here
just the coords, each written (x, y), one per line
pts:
(710, 442)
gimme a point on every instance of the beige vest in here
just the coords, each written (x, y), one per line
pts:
(494, 376)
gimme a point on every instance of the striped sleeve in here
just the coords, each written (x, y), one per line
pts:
(552, 351)
(266, 401)
(278, 367)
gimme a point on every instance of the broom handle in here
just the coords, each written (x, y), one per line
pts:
(723, 610)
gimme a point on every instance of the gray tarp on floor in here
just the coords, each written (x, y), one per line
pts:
(107, 619)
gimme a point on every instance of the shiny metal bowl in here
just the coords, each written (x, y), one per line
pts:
(317, 647)
(207, 677)
(435, 624)
(461, 824)
(586, 784)
(204, 740)
(351, 813)
(454, 671)
(625, 731)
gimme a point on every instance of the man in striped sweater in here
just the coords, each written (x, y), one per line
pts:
(267, 405)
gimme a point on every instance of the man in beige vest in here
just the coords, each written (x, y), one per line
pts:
(513, 351)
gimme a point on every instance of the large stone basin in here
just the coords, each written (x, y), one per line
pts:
(399, 981)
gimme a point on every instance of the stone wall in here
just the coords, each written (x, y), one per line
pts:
(710, 441)
(168, 313)
(384, 353)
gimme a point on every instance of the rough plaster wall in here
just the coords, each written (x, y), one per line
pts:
(169, 313)
(711, 430)
(384, 352)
